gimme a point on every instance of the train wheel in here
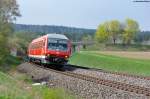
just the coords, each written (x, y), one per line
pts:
(30, 60)
(59, 66)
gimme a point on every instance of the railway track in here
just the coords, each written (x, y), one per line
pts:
(109, 72)
(109, 83)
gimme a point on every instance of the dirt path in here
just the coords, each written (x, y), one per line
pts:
(136, 55)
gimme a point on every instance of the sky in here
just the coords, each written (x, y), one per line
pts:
(82, 13)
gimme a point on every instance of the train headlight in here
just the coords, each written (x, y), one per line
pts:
(47, 54)
(66, 56)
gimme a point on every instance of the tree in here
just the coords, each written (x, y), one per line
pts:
(131, 28)
(5, 29)
(114, 29)
(8, 10)
(21, 40)
(8, 13)
(102, 33)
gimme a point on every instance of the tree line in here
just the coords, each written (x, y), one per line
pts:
(73, 33)
(50, 29)
(111, 31)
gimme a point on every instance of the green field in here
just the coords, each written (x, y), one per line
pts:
(11, 88)
(111, 63)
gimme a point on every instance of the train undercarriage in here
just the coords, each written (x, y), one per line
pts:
(51, 61)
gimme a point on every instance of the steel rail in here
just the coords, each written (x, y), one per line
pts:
(116, 73)
(113, 84)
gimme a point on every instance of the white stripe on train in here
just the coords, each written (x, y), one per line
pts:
(37, 56)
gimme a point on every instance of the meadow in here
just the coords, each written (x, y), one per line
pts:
(112, 62)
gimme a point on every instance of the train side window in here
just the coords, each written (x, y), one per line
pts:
(37, 45)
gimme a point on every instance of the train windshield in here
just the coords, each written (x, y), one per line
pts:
(57, 44)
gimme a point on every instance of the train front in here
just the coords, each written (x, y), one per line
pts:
(58, 49)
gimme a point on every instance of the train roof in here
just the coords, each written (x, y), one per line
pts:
(52, 35)
(60, 36)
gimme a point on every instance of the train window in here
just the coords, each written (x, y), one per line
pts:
(63, 41)
(52, 40)
(57, 44)
(37, 45)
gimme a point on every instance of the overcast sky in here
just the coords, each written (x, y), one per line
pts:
(82, 13)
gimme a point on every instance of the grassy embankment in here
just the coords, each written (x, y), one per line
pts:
(11, 88)
(8, 63)
(112, 63)
(19, 86)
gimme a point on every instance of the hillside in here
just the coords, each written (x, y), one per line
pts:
(71, 32)
(50, 29)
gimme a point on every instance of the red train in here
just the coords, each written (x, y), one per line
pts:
(50, 48)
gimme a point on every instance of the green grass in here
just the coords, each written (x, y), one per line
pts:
(111, 63)
(58, 93)
(9, 63)
(11, 88)
(117, 47)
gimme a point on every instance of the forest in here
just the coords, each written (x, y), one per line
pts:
(73, 33)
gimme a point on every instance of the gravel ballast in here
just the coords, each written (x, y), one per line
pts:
(113, 77)
(85, 89)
